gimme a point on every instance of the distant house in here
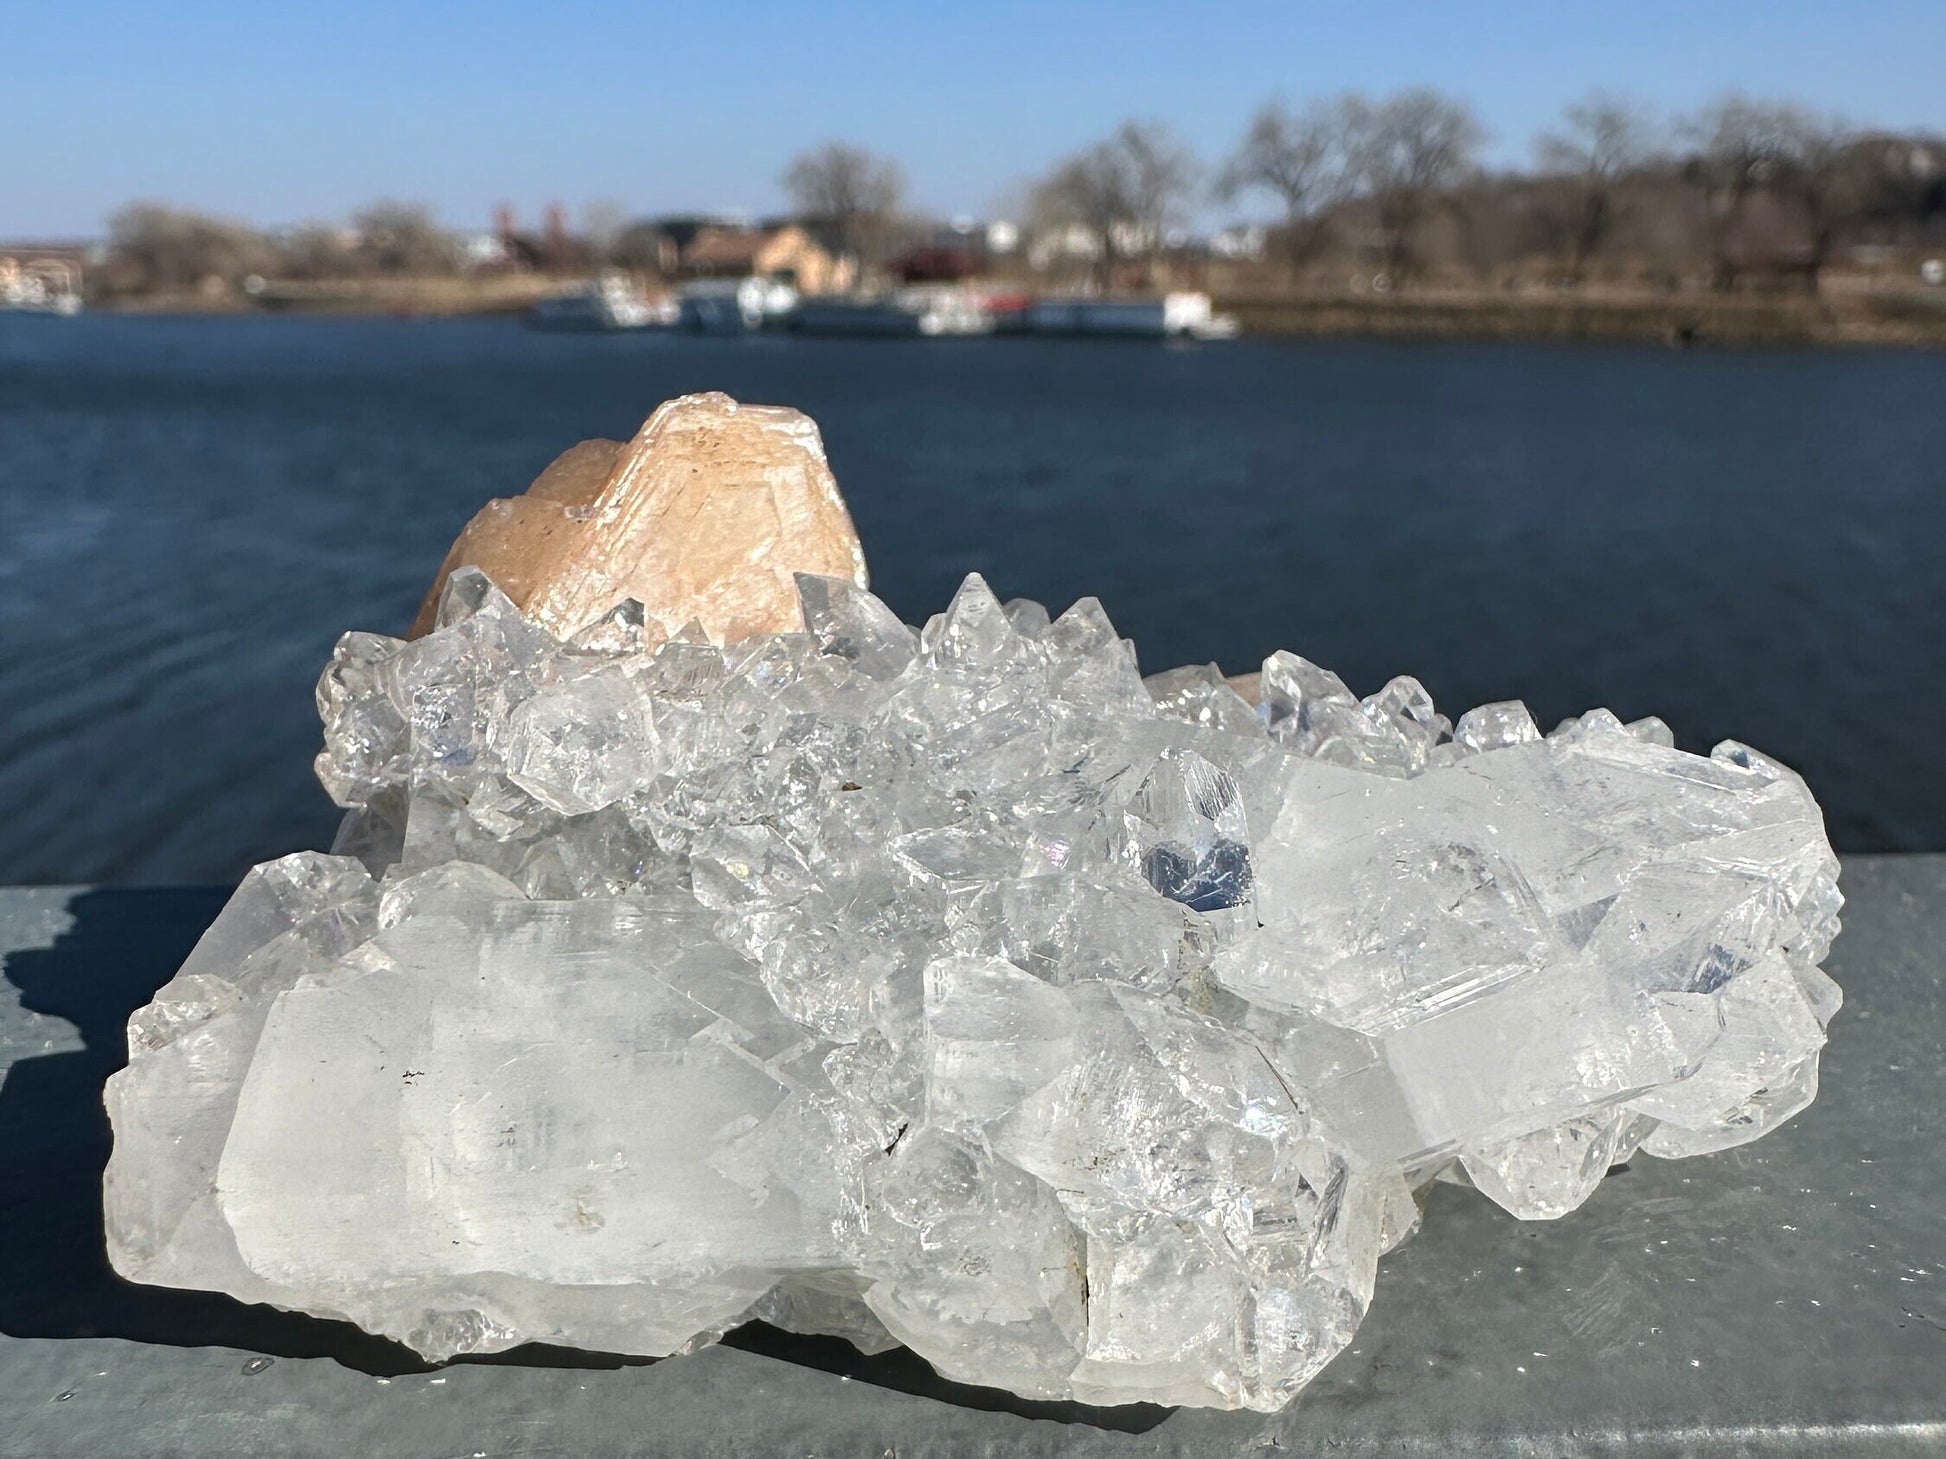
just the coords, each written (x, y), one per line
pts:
(935, 264)
(485, 251)
(511, 248)
(658, 243)
(731, 248)
(1061, 242)
(948, 252)
(786, 252)
(1243, 241)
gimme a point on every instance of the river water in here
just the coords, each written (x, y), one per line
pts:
(1748, 544)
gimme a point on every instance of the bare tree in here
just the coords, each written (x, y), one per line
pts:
(1738, 149)
(1090, 191)
(1603, 139)
(403, 238)
(317, 251)
(1405, 151)
(1300, 159)
(853, 191)
(1164, 173)
(1823, 174)
(1125, 192)
(155, 246)
(1805, 158)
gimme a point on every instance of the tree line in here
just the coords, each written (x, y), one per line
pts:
(154, 247)
(1744, 187)
(1384, 192)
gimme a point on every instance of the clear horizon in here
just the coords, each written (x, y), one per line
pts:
(278, 115)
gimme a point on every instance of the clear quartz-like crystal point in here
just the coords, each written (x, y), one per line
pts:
(466, 592)
(973, 632)
(1405, 705)
(1199, 695)
(1495, 726)
(851, 624)
(1191, 833)
(1089, 1036)
(623, 629)
(1092, 663)
(366, 740)
(1029, 618)
(581, 743)
(1310, 710)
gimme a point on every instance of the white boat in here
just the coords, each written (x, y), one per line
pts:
(1173, 316)
(929, 312)
(732, 306)
(40, 286)
(601, 305)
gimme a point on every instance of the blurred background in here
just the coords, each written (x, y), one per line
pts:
(1584, 357)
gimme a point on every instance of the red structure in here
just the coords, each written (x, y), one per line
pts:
(935, 265)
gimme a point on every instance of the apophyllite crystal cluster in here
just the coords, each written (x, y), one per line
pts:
(1090, 1036)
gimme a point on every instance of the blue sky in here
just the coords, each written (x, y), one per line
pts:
(281, 112)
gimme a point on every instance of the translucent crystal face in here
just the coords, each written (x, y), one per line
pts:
(951, 988)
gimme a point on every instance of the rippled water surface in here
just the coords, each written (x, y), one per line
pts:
(1750, 545)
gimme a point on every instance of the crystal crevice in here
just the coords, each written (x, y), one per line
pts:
(958, 988)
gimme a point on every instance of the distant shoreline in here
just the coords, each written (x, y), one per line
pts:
(1912, 318)
(1906, 319)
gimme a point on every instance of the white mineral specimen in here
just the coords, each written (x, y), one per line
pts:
(953, 989)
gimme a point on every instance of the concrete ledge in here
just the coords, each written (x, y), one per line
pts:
(1788, 1297)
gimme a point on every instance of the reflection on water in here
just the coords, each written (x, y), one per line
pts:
(1746, 544)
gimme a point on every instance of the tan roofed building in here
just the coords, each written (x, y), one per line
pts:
(788, 253)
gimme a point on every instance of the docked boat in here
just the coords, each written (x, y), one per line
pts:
(928, 312)
(40, 286)
(601, 305)
(734, 306)
(1172, 316)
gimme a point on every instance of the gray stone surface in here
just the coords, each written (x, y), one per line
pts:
(1785, 1297)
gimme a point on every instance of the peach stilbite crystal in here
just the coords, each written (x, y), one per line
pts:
(706, 516)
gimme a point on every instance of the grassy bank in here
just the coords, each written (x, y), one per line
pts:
(500, 294)
(1905, 318)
